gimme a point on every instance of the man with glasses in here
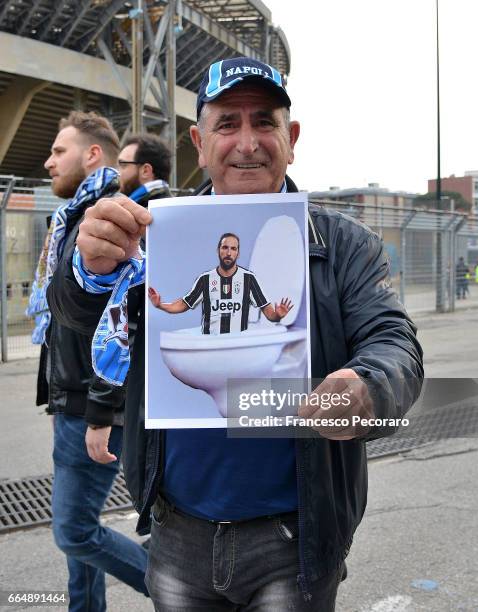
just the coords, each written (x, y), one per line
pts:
(144, 164)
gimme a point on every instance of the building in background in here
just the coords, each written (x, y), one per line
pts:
(373, 195)
(57, 56)
(62, 55)
(382, 210)
(466, 185)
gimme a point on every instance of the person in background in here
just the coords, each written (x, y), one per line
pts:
(82, 166)
(461, 271)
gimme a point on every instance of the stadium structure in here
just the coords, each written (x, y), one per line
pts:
(118, 58)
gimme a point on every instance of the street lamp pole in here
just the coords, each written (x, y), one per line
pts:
(438, 113)
(137, 67)
(439, 283)
(171, 79)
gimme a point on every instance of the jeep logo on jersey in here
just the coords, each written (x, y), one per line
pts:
(225, 306)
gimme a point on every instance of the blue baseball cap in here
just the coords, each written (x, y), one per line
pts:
(228, 73)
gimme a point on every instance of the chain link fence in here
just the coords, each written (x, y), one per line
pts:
(423, 245)
(25, 205)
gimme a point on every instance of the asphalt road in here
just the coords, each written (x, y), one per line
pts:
(417, 546)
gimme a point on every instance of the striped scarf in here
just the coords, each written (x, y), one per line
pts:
(110, 354)
(152, 189)
(98, 184)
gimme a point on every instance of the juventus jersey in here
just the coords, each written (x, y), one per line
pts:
(225, 300)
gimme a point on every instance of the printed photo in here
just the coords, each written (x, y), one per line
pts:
(227, 299)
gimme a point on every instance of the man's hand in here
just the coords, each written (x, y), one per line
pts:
(357, 403)
(97, 444)
(110, 233)
(154, 297)
(283, 308)
(277, 313)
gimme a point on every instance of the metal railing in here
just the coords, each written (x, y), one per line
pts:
(25, 205)
(423, 246)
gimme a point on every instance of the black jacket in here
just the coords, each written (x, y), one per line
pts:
(356, 322)
(72, 386)
(66, 381)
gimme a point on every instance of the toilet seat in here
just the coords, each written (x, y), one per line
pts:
(278, 261)
(193, 339)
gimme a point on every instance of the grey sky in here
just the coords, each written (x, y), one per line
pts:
(363, 86)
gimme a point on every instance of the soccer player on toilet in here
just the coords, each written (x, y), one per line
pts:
(226, 292)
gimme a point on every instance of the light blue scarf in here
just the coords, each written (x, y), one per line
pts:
(101, 182)
(110, 349)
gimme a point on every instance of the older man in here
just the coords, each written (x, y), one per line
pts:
(259, 524)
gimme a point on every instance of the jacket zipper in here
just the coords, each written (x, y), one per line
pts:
(302, 578)
(50, 361)
(158, 457)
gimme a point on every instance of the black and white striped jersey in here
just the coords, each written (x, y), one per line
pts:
(225, 300)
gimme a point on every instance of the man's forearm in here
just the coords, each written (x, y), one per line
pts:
(175, 307)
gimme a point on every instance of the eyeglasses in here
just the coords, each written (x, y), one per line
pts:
(122, 163)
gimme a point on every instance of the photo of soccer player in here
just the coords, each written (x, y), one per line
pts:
(234, 271)
(226, 293)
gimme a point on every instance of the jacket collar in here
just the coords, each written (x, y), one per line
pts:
(205, 188)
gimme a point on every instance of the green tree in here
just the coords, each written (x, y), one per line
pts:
(429, 200)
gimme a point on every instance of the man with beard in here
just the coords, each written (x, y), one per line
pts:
(226, 293)
(82, 168)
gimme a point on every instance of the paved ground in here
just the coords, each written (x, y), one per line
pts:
(422, 298)
(450, 343)
(416, 549)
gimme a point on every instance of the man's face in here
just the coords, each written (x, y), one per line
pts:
(244, 141)
(128, 170)
(67, 162)
(228, 252)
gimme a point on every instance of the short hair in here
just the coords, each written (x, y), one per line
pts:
(96, 130)
(228, 235)
(151, 150)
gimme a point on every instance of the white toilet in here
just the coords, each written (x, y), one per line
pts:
(265, 349)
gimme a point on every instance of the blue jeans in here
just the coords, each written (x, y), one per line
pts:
(196, 564)
(80, 488)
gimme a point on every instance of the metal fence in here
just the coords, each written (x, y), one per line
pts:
(25, 205)
(423, 246)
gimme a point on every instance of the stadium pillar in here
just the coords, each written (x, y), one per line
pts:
(14, 104)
